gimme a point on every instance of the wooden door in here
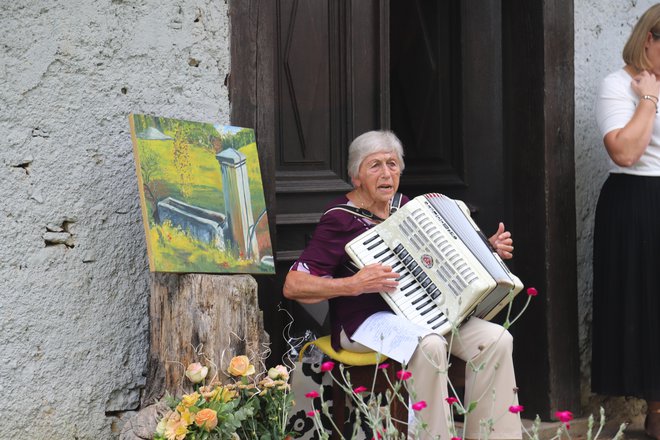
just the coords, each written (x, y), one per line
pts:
(446, 102)
(329, 55)
(309, 76)
(346, 67)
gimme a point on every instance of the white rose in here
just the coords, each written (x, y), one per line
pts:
(196, 372)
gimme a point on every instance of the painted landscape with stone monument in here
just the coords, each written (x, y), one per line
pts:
(201, 196)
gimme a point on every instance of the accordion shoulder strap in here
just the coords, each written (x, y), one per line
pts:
(364, 213)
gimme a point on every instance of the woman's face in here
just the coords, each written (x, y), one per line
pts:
(378, 176)
(652, 48)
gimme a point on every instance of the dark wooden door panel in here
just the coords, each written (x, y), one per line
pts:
(329, 60)
(425, 85)
(327, 73)
(446, 102)
(308, 73)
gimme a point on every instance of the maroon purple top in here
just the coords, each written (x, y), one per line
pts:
(325, 256)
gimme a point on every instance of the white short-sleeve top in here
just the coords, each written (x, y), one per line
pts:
(615, 106)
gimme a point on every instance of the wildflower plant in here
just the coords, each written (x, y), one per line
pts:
(375, 408)
(250, 406)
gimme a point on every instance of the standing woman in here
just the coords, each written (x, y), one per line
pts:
(626, 303)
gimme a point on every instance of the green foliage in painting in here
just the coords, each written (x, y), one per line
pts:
(177, 160)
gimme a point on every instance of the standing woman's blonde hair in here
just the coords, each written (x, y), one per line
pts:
(633, 52)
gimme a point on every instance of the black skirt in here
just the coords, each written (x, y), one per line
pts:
(626, 289)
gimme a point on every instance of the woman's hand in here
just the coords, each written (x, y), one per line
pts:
(310, 289)
(502, 242)
(645, 83)
(374, 278)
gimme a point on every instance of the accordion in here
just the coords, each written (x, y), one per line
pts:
(447, 269)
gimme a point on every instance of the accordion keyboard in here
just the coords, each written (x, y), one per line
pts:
(440, 279)
(415, 297)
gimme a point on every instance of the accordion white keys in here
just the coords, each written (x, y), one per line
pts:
(448, 270)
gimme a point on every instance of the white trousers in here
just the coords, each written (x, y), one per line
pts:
(489, 380)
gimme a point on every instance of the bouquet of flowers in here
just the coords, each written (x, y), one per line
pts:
(250, 407)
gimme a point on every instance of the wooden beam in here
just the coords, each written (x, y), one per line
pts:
(539, 114)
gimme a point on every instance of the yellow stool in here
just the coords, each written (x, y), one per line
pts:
(362, 369)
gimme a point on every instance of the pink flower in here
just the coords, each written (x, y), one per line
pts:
(312, 413)
(312, 395)
(383, 366)
(451, 400)
(359, 389)
(378, 434)
(516, 408)
(327, 366)
(456, 438)
(419, 405)
(403, 374)
(564, 416)
(532, 291)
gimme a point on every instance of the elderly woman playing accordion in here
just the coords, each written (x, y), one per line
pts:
(375, 163)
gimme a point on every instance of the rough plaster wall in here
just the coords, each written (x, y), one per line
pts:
(601, 30)
(73, 316)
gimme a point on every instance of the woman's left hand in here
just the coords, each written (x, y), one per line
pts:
(502, 242)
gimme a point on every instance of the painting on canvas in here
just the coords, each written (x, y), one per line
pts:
(202, 196)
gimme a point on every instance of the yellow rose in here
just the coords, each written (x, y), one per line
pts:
(240, 366)
(187, 417)
(226, 395)
(189, 400)
(207, 419)
(196, 372)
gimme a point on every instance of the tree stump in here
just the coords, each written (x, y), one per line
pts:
(200, 318)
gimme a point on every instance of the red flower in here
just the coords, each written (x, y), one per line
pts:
(383, 366)
(419, 405)
(564, 416)
(516, 408)
(378, 434)
(403, 374)
(456, 438)
(359, 389)
(532, 291)
(312, 395)
(451, 400)
(312, 413)
(327, 366)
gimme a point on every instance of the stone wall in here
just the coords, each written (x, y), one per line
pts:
(601, 30)
(73, 264)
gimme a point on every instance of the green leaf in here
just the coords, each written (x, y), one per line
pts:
(471, 407)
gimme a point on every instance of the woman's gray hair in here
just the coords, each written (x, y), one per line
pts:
(377, 141)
